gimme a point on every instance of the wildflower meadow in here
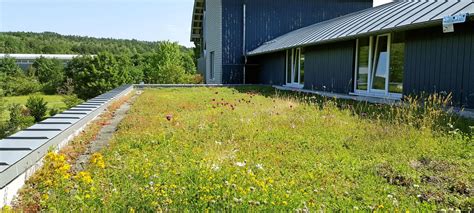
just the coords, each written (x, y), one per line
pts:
(253, 149)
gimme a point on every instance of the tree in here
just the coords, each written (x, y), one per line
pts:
(38, 107)
(165, 66)
(50, 73)
(93, 76)
(189, 65)
(9, 67)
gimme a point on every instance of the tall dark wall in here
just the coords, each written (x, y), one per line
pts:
(438, 62)
(330, 67)
(271, 69)
(268, 19)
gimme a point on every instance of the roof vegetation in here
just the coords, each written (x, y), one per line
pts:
(250, 148)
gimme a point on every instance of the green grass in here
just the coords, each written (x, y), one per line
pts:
(54, 101)
(223, 148)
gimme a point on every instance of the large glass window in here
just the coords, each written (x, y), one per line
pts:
(397, 61)
(362, 74)
(379, 65)
(289, 68)
(211, 66)
(295, 67)
(380, 71)
(301, 66)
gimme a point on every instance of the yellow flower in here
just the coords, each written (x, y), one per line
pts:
(98, 160)
(45, 197)
(88, 196)
(284, 203)
(85, 177)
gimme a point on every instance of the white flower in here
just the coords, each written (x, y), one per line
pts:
(416, 185)
(218, 143)
(237, 200)
(215, 167)
(241, 164)
(259, 166)
(151, 183)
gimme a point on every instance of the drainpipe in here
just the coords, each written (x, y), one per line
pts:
(243, 40)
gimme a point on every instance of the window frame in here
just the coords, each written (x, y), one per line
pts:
(211, 67)
(374, 40)
(293, 58)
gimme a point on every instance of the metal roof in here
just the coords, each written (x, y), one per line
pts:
(36, 56)
(403, 14)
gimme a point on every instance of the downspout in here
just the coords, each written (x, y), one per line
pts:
(243, 41)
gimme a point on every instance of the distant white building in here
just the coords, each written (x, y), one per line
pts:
(25, 61)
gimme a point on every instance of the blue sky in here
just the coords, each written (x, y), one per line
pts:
(149, 20)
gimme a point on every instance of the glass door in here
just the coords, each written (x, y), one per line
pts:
(375, 74)
(294, 68)
(380, 66)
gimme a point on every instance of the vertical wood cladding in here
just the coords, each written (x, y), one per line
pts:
(438, 62)
(268, 19)
(272, 68)
(330, 67)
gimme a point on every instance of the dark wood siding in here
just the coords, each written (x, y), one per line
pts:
(268, 19)
(439, 62)
(330, 67)
(271, 69)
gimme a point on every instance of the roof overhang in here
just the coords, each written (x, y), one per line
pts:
(197, 21)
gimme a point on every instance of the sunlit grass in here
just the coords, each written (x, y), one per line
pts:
(221, 148)
(54, 101)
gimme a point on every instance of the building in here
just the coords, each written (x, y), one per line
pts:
(225, 30)
(25, 61)
(389, 51)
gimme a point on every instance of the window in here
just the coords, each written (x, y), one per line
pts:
(379, 66)
(295, 67)
(397, 61)
(380, 70)
(362, 74)
(211, 66)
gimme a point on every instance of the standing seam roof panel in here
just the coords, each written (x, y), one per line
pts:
(414, 17)
(367, 23)
(404, 15)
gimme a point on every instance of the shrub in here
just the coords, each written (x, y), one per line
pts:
(9, 67)
(19, 119)
(19, 85)
(49, 73)
(71, 100)
(37, 106)
(93, 76)
(54, 111)
(2, 105)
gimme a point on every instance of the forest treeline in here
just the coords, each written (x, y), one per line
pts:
(53, 43)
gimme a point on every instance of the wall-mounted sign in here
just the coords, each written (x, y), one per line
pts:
(449, 21)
